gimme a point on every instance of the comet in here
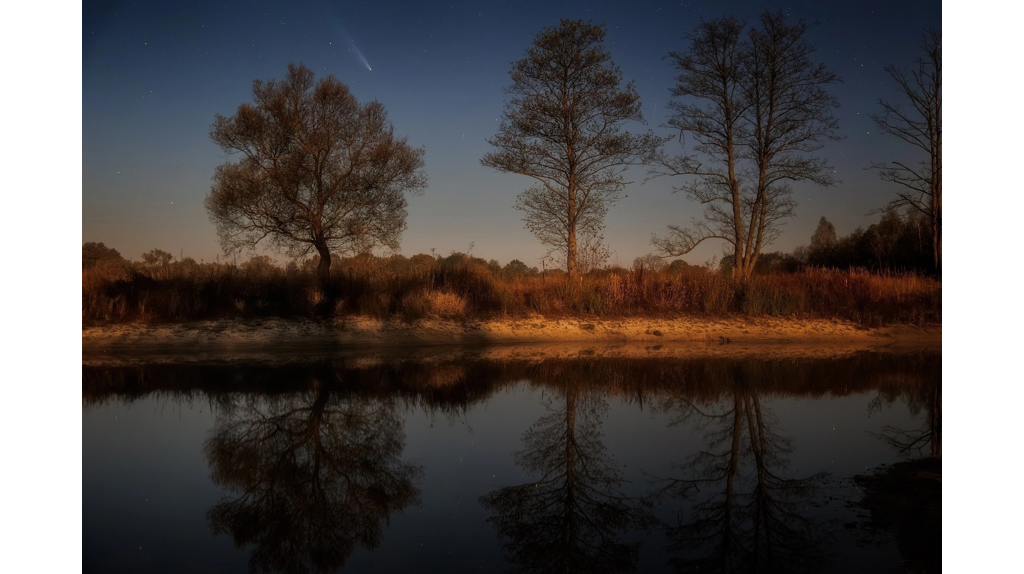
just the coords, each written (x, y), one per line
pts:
(353, 48)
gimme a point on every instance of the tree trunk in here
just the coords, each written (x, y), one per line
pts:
(571, 249)
(323, 269)
(572, 267)
(937, 168)
(937, 207)
(936, 420)
(734, 186)
(570, 453)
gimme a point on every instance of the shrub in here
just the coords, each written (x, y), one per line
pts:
(427, 303)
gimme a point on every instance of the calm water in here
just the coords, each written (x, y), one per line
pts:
(589, 465)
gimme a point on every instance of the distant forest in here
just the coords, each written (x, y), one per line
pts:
(897, 243)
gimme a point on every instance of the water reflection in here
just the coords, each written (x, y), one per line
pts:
(311, 476)
(573, 517)
(920, 395)
(311, 458)
(747, 513)
(907, 497)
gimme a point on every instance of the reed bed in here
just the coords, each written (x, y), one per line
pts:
(460, 287)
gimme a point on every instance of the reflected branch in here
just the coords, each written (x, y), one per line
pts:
(915, 442)
(573, 518)
(313, 475)
(744, 515)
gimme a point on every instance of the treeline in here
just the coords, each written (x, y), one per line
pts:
(461, 287)
(898, 243)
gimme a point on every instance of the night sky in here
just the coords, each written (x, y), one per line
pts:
(154, 75)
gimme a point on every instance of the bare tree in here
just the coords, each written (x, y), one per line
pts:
(318, 171)
(756, 107)
(562, 128)
(710, 111)
(920, 125)
(790, 117)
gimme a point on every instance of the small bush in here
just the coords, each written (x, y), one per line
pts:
(441, 304)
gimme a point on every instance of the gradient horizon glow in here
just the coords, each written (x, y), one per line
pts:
(155, 75)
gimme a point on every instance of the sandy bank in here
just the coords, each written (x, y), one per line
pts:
(549, 337)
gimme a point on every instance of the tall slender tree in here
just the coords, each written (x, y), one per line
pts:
(756, 107)
(919, 125)
(709, 107)
(790, 117)
(562, 128)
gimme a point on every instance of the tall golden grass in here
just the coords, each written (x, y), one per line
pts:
(462, 287)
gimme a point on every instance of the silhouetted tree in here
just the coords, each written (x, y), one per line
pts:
(260, 264)
(790, 116)
(823, 244)
(709, 107)
(678, 265)
(572, 517)
(649, 262)
(562, 128)
(756, 107)
(93, 253)
(515, 267)
(313, 474)
(157, 257)
(318, 171)
(920, 125)
(824, 235)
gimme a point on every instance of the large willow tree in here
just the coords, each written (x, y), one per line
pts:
(562, 127)
(316, 171)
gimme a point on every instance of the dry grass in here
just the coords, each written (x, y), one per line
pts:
(462, 287)
(428, 303)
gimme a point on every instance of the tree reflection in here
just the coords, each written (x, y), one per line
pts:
(747, 514)
(927, 397)
(572, 518)
(313, 475)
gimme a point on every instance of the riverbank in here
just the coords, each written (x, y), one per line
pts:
(620, 337)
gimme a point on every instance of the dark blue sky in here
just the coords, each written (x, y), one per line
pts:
(155, 74)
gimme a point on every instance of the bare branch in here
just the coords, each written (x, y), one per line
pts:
(921, 127)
